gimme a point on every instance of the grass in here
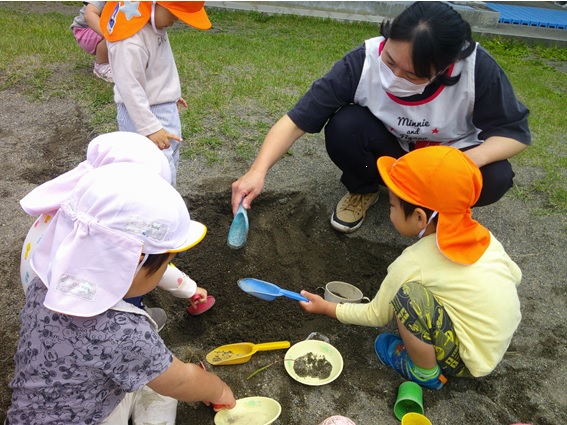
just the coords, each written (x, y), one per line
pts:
(249, 69)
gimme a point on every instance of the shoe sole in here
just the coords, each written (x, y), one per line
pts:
(342, 228)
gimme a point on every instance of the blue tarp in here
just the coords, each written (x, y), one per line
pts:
(531, 16)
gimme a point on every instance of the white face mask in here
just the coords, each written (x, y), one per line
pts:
(153, 20)
(397, 86)
(431, 217)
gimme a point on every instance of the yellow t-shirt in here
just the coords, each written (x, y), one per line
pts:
(481, 299)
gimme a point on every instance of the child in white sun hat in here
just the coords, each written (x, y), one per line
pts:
(84, 354)
(110, 148)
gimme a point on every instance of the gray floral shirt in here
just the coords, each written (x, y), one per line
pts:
(75, 370)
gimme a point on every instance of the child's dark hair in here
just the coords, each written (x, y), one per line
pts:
(409, 208)
(438, 34)
(155, 261)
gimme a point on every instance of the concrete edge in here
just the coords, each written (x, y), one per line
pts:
(486, 26)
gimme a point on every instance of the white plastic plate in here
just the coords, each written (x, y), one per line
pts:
(250, 411)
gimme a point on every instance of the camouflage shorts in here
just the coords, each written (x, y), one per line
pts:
(425, 317)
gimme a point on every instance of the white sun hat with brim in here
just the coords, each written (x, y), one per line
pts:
(91, 250)
(109, 148)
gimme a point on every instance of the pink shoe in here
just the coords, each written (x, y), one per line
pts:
(103, 71)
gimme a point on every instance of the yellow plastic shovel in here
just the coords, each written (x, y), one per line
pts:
(241, 352)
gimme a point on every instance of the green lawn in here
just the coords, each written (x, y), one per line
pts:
(249, 69)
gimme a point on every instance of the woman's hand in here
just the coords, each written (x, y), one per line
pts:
(247, 188)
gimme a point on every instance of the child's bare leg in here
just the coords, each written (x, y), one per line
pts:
(421, 353)
(101, 55)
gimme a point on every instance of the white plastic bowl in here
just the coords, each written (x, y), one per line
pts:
(317, 348)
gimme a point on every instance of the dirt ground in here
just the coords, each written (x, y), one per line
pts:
(291, 244)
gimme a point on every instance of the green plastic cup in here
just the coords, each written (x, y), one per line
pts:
(410, 400)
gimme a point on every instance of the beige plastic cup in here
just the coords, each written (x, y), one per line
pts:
(410, 400)
(413, 418)
(342, 292)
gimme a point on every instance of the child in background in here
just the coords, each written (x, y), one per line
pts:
(84, 355)
(111, 148)
(147, 90)
(453, 293)
(86, 30)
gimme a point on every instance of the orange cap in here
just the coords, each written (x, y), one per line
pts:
(122, 19)
(191, 12)
(443, 179)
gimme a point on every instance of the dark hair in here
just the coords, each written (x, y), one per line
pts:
(155, 261)
(438, 34)
(409, 208)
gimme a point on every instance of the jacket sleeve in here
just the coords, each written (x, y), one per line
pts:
(128, 61)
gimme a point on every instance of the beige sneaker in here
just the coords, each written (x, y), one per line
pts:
(351, 210)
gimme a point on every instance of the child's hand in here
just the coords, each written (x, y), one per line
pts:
(161, 138)
(317, 305)
(226, 400)
(200, 297)
(219, 406)
(181, 103)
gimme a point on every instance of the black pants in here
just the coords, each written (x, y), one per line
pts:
(355, 139)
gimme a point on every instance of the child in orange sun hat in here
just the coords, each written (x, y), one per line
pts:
(453, 293)
(147, 90)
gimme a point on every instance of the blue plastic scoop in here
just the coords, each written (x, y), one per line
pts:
(238, 229)
(267, 291)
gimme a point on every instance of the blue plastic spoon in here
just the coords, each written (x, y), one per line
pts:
(267, 291)
(238, 229)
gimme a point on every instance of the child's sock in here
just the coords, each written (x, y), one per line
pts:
(425, 374)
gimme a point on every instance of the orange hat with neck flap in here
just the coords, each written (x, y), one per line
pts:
(442, 179)
(122, 19)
